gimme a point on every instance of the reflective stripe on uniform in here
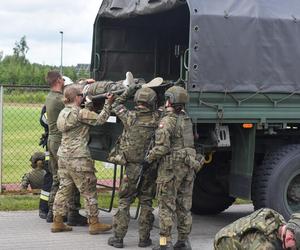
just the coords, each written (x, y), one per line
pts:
(47, 156)
(44, 195)
(44, 198)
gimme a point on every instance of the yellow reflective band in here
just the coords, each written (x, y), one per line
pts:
(43, 192)
(44, 197)
(163, 241)
(47, 157)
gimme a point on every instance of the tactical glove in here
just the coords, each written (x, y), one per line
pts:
(88, 103)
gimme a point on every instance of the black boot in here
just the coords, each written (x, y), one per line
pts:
(145, 243)
(49, 218)
(115, 242)
(169, 246)
(42, 214)
(182, 245)
(76, 219)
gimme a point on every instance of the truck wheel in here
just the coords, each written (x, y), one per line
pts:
(210, 195)
(276, 183)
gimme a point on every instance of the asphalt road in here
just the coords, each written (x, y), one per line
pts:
(25, 230)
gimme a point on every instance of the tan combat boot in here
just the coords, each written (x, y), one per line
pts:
(58, 225)
(95, 227)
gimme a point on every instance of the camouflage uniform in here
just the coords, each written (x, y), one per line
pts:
(34, 178)
(257, 231)
(174, 148)
(54, 104)
(76, 168)
(139, 127)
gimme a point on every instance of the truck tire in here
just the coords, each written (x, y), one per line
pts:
(210, 195)
(276, 183)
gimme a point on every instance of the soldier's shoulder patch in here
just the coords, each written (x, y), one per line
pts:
(121, 110)
(84, 114)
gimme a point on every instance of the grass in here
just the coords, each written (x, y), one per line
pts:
(10, 202)
(21, 96)
(239, 201)
(21, 137)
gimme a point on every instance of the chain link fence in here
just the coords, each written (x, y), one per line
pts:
(21, 133)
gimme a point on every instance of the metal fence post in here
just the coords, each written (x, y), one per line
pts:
(1, 135)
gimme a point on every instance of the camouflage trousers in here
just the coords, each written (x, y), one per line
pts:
(249, 241)
(80, 173)
(174, 192)
(127, 195)
(74, 202)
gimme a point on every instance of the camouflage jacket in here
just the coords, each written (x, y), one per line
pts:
(34, 178)
(264, 222)
(174, 138)
(74, 123)
(54, 104)
(139, 126)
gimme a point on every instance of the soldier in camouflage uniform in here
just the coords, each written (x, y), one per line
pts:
(76, 168)
(35, 178)
(139, 126)
(174, 148)
(54, 104)
(265, 229)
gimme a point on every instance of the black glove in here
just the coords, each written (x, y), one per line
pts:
(43, 140)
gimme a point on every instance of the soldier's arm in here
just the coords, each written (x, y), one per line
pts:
(92, 118)
(123, 113)
(162, 141)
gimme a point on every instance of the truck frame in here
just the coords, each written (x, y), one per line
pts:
(239, 61)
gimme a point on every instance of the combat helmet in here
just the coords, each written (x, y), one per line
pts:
(67, 81)
(38, 158)
(294, 226)
(146, 95)
(177, 95)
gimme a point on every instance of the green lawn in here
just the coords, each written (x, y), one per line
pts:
(31, 202)
(22, 131)
(21, 138)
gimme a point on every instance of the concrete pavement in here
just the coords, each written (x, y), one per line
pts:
(25, 230)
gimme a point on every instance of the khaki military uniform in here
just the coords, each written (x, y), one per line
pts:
(139, 127)
(35, 178)
(54, 104)
(76, 168)
(174, 148)
(257, 231)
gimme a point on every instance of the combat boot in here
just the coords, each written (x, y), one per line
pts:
(76, 219)
(169, 246)
(115, 242)
(145, 243)
(95, 227)
(49, 218)
(58, 225)
(42, 214)
(183, 245)
(165, 243)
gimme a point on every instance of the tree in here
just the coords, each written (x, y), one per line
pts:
(21, 48)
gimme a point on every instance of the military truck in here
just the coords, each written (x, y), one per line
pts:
(240, 62)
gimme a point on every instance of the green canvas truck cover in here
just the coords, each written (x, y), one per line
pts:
(234, 45)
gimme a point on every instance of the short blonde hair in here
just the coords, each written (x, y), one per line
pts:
(70, 93)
